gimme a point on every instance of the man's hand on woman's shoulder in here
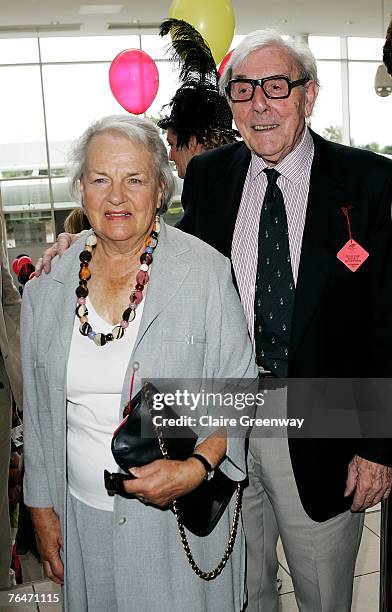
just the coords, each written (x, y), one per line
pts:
(64, 241)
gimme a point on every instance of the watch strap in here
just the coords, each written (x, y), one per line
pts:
(205, 462)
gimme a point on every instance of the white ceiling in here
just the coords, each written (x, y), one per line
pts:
(319, 17)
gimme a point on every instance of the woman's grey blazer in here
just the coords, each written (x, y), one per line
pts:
(192, 327)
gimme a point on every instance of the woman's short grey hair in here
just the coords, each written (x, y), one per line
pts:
(298, 51)
(137, 130)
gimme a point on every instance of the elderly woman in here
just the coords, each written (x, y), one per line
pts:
(126, 554)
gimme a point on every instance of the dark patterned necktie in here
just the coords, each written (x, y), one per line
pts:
(274, 292)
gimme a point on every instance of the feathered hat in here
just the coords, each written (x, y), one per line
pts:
(387, 51)
(196, 109)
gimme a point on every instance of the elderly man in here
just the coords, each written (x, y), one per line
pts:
(277, 204)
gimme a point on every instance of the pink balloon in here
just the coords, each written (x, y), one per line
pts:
(224, 62)
(134, 80)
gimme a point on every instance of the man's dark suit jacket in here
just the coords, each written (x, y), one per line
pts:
(342, 322)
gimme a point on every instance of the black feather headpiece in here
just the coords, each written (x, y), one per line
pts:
(197, 109)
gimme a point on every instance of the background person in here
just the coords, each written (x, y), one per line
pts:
(76, 221)
(10, 380)
(125, 554)
(200, 119)
(387, 50)
(309, 314)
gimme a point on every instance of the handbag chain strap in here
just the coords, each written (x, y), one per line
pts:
(184, 540)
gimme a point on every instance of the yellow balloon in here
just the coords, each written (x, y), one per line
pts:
(213, 19)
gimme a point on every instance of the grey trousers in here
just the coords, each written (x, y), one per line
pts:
(321, 556)
(5, 447)
(89, 564)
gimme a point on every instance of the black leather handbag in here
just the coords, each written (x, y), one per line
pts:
(200, 510)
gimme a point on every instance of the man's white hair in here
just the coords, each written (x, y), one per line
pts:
(299, 52)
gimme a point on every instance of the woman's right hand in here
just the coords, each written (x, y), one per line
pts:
(49, 541)
(64, 241)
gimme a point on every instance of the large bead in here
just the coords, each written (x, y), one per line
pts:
(100, 339)
(85, 256)
(84, 274)
(85, 329)
(136, 297)
(81, 310)
(118, 332)
(91, 240)
(81, 291)
(146, 258)
(153, 243)
(142, 278)
(128, 314)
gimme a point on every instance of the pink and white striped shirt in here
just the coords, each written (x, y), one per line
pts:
(294, 184)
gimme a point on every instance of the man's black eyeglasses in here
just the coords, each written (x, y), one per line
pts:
(274, 87)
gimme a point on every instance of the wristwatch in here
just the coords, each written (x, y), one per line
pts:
(210, 471)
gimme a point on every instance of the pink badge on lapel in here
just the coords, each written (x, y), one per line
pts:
(352, 254)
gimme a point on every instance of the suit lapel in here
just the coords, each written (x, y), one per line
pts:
(228, 191)
(168, 273)
(235, 187)
(65, 280)
(324, 235)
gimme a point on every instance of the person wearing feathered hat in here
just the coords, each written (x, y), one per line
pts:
(199, 118)
(387, 51)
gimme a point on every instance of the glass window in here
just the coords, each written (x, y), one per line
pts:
(325, 47)
(365, 48)
(26, 194)
(22, 144)
(156, 46)
(370, 115)
(25, 230)
(85, 48)
(26, 204)
(168, 84)
(61, 193)
(18, 50)
(327, 118)
(75, 95)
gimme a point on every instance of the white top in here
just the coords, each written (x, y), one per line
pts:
(95, 378)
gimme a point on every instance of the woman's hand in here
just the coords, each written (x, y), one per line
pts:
(49, 541)
(163, 480)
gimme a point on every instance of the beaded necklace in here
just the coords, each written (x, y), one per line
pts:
(142, 278)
